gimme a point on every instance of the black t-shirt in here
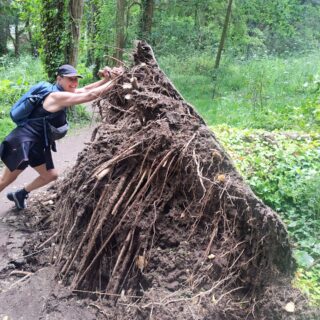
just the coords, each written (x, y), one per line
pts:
(56, 119)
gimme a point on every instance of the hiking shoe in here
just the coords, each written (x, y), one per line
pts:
(18, 198)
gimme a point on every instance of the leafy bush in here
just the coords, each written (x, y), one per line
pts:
(17, 75)
(283, 169)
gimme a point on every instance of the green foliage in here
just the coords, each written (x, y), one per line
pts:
(176, 35)
(54, 35)
(283, 169)
(256, 28)
(308, 281)
(86, 73)
(6, 125)
(181, 27)
(17, 75)
(24, 15)
(78, 116)
(98, 44)
(31, 13)
(271, 26)
(271, 93)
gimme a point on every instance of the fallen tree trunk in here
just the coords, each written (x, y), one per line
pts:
(155, 213)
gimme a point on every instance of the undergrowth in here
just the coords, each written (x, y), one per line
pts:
(269, 93)
(283, 169)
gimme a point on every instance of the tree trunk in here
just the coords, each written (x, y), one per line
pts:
(223, 35)
(120, 28)
(75, 16)
(221, 46)
(3, 35)
(147, 9)
(33, 44)
(91, 32)
(53, 27)
(16, 39)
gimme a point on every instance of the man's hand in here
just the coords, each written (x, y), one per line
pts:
(109, 73)
(105, 73)
(117, 71)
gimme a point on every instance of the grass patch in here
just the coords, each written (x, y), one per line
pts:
(272, 93)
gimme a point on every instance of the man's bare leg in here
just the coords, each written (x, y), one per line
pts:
(8, 177)
(45, 177)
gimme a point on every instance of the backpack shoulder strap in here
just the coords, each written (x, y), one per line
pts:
(33, 98)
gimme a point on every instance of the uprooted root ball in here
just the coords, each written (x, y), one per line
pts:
(155, 213)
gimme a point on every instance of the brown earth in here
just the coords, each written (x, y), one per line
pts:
(154, 222)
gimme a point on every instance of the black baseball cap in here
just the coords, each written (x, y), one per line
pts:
(67, 70)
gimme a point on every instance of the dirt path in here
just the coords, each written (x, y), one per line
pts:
(68, 149)
(36, 297)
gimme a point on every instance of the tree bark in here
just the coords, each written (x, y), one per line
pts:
(120, 28)
(53, 27)
(34, 45)
(91, 31)
(16, 38)
(147, 10)
(3, 35)
(4, 27)
(223, 35)
(75, 13)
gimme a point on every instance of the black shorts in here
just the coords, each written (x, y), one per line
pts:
(28, 153)
(36, 157)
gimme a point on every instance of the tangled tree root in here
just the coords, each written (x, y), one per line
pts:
(154, 214)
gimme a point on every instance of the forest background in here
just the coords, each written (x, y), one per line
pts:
(249, 67)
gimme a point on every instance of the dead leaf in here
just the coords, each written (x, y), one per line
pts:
(134, 82)
(221, 178)
(195, 300)
(216, 154)
(141, 262)
(290, 307)
(127, 86)
(123, 296)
